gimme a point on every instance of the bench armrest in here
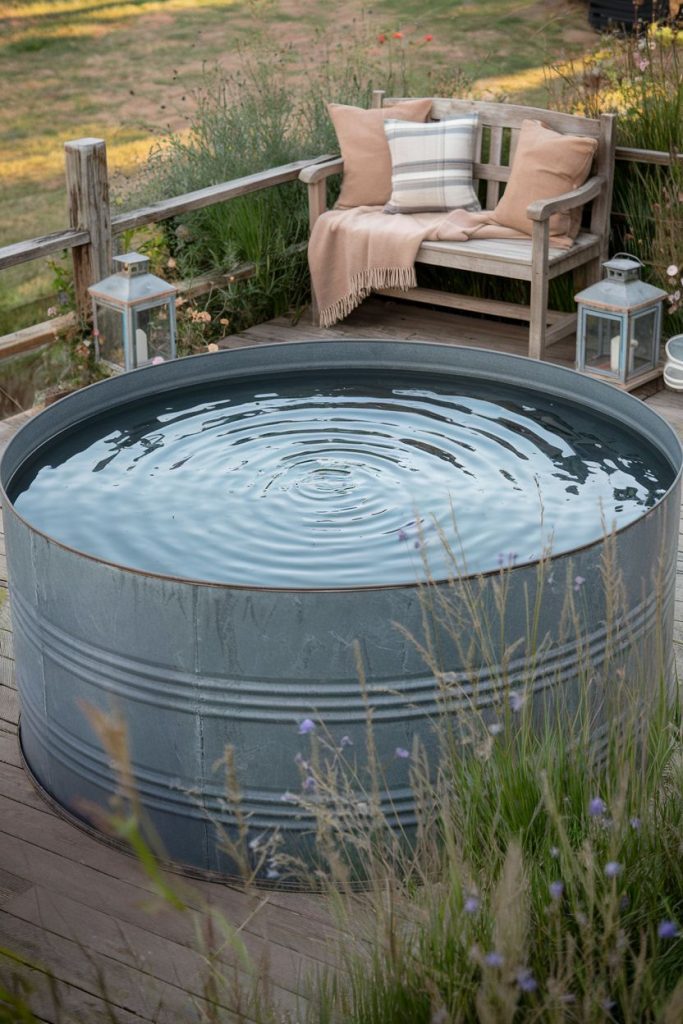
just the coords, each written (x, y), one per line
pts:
(542, 209)
(322, 168)
(315, 176)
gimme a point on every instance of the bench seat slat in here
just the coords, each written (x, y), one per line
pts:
(511, 250)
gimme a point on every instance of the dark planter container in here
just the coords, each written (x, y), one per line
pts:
(625, 14)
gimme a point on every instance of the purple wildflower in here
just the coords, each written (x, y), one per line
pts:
(526, 980)
(300, 760)
(635, 824)
(401, 752)
(309, 784)
(471, 905)
(416, 544)
(494, 959)
(556, 890)
(579, 582)
(554, 852)
(596, 807)
(307, 726)
(402, 535)
(495, 728)
(667, 930)
(613, 868)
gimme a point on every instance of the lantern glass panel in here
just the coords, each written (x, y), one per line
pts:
(152, 334)
(603, 342)
(644, 341)
(110, 340)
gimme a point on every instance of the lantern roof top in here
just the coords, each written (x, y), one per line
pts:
(625, 296)
(132, 285)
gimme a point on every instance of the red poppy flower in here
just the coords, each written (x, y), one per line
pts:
(428, 38)
(381, 38)
(397, 35)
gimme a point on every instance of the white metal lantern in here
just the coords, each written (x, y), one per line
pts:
(134, 315)
(619, 325)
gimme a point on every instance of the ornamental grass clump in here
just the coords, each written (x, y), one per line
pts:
(640, 78)
(271, 112)
(543, 876)
(528, 894)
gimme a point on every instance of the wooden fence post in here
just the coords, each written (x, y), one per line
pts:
(87, 184)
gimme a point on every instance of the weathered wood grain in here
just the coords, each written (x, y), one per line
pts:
(62, 1002)
(197, 200)
(647, 156)
(46, 245)
(87, 190)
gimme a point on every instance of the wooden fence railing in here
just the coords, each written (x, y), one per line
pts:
(90, 237)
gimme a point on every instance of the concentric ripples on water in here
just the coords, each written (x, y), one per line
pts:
(321, 482)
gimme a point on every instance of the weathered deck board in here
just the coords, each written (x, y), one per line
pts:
(81, 908)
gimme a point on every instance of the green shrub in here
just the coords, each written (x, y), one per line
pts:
(640, 78)
(266, 115)
(243, 123)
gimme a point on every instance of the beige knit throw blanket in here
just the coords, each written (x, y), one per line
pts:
(353, 252)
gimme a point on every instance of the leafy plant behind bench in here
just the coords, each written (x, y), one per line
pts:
(243, 123)
(640, 78)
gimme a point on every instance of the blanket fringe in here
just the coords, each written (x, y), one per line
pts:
(371, 279)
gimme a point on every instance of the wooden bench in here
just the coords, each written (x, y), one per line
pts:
(535, 260)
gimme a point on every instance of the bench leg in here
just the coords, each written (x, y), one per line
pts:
(538, 317)
(538, 312)
(317, 205)
(315, 310)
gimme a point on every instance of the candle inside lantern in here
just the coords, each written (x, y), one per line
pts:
(141, 351)
(614, 347)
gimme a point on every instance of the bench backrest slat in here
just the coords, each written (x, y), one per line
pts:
(497, 136)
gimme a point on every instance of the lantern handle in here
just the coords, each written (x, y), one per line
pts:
(630, 256)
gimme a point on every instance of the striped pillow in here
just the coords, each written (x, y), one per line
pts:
(431, 165)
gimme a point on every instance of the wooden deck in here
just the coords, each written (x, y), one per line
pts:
(85, 911)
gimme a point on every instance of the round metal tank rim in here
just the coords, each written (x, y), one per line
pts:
(300, 357)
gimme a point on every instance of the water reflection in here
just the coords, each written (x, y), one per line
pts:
(339, 483)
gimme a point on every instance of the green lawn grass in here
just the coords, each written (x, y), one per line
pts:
(125, 72)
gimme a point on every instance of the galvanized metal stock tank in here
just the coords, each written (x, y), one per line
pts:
(193, 666)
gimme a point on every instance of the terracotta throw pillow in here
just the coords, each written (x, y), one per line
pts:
(365, 150)
(546, 164)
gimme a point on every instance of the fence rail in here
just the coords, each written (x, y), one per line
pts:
(93, 229)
